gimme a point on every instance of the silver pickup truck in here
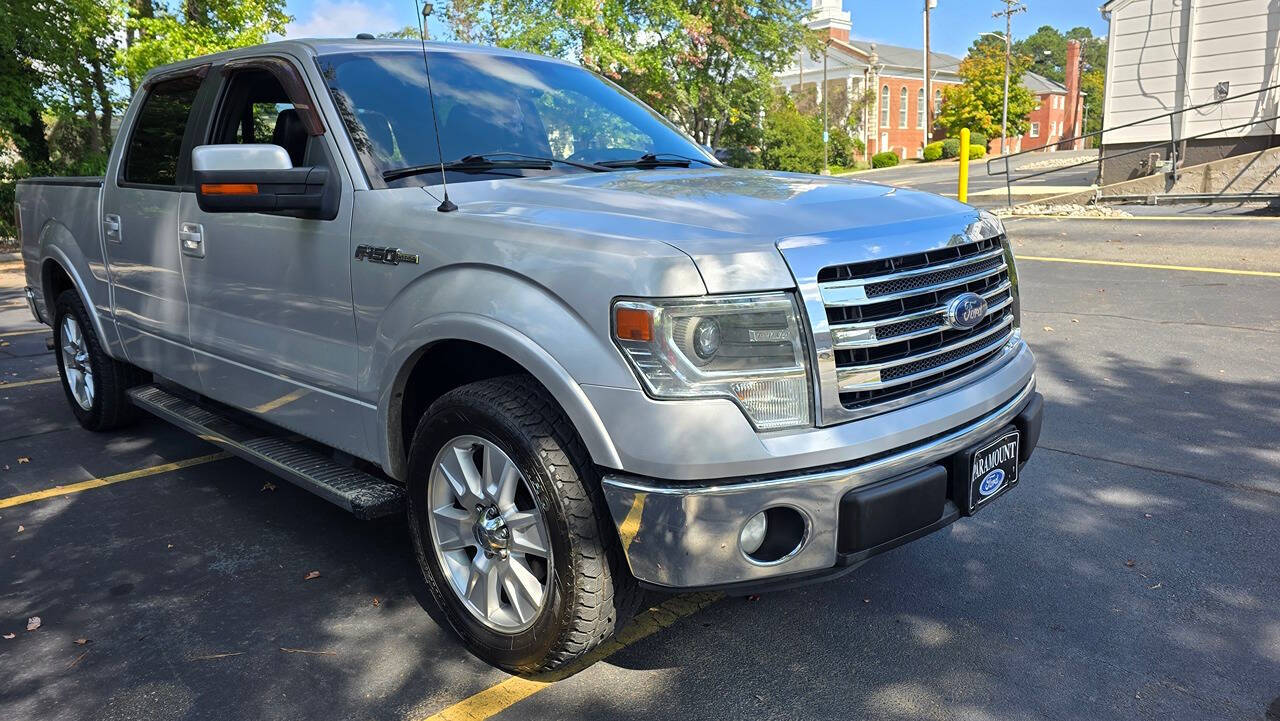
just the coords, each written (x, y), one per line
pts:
(596, 362)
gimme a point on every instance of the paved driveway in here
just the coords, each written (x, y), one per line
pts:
(1133, 575)
(989, 190)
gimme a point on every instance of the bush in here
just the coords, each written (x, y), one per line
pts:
(887, 159)
(977, 151)
(932, 152)
(739, 157)
(951, 148)
(978, 139)
(792, 140)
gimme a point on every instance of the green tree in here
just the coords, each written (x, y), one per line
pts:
(792, 140)
(197, 27)
(706, 64)
(977, 104)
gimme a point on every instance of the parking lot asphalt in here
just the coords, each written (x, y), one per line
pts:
(1134, 574)
(988, 189)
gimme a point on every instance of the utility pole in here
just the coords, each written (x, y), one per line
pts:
(928, 95)
(1011, 8)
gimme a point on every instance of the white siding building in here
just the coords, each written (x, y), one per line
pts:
(1167, 55)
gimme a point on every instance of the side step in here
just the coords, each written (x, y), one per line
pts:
(363, 494)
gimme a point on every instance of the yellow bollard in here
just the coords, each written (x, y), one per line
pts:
(963, 192)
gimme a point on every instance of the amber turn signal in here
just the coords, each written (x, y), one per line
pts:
(229, 188)
(633, 324)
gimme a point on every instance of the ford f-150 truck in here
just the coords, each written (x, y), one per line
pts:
(507, 299)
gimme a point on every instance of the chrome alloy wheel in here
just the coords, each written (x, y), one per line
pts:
(489, 536)
(77, 372)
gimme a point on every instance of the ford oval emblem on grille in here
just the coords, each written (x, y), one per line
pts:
(966, 311)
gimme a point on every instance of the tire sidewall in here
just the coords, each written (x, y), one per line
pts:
(68, 304)
(446, 420)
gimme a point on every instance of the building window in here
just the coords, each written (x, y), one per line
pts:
(920, 108)
(884, 107)
(937, 101)
(1035, 130)
(902, 107)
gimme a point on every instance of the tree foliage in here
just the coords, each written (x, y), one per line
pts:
(706, 64)
(977, 104)
(1047, 48)
(198, 27)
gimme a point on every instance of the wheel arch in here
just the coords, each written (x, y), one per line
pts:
(464, 348)
(63, 267)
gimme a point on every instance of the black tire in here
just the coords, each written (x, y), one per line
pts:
(110, 408)
(592, 593)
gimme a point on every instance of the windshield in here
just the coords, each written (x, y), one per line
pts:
(489, 104)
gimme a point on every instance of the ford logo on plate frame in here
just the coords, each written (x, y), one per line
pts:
(966, 311)
(991, 482)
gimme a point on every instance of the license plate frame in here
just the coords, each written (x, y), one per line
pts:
(989, 469)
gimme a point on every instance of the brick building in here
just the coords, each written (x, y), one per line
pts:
(1060, 113)
(891, 77)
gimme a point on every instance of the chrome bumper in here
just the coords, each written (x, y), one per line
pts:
(686, 535)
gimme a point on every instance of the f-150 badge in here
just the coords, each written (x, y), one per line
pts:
(386, 256)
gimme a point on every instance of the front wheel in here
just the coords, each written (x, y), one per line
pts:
(509, 530)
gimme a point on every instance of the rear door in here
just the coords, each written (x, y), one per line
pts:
(140, 204)
(272, 322)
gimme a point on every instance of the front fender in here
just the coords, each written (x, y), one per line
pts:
(515, 345)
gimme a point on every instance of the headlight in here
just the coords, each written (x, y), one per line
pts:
(747, 348)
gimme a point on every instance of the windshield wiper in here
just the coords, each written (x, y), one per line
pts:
(657, 160)
(479, 163)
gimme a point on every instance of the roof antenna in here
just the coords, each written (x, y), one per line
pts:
(446, 205)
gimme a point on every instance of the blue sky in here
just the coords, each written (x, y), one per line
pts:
(896, 22)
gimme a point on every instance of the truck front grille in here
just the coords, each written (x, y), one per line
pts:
(888, 322)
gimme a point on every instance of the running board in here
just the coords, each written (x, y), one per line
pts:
(363, 494)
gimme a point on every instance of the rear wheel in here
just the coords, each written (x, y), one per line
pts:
(509, 529)
(94, 382)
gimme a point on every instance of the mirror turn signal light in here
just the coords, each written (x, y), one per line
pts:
(229, 188)
(633, 324)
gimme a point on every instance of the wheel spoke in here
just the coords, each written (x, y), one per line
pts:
(502, 479)
(482, 587)
(459, 469)
(522, 588)
(528, 537)
(453, 529)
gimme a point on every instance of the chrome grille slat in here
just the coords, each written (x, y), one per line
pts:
(887, 322)
(878, 368)
(857, 295)
(867, 335)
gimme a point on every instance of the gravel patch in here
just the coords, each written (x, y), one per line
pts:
(1066, 210)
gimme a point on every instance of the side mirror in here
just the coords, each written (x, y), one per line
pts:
(260, 178)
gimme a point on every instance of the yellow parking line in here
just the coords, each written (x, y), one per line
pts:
(109, 480)
(1155, 266)
(505, 694)
(13, 334)
(36, 382)
(1147, 217)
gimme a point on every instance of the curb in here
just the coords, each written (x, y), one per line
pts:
(4, 257)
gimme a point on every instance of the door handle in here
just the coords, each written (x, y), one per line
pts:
(111, 228)
(191, 238)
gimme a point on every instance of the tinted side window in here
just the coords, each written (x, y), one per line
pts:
(156, 142)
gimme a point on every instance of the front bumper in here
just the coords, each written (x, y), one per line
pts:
(685, 535)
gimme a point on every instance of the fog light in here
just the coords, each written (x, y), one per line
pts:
(753, 533)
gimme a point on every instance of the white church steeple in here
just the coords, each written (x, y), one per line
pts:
(830, 15)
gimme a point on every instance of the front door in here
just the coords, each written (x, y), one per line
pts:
(272, 322)
(140, 205)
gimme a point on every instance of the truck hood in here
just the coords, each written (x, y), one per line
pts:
(737, 225)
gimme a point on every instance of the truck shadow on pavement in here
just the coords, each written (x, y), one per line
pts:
(1136, 587)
